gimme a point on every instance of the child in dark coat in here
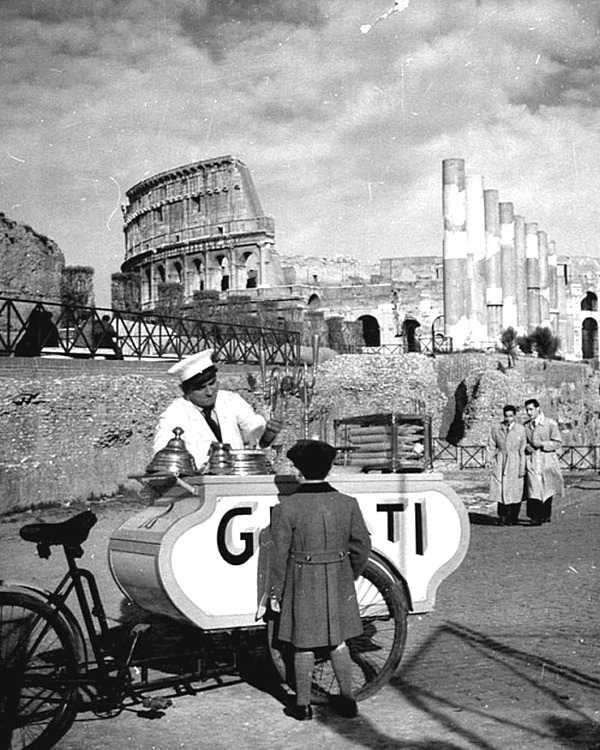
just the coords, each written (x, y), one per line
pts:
(320, 546)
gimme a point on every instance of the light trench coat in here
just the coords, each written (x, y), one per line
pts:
(506, 453)
(240, 425)
(544, 477)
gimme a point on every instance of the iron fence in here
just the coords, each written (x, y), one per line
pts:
(440, 344)
(570, 458)
(33, 328)
(580, 457)
(471, 456)
(444, 451)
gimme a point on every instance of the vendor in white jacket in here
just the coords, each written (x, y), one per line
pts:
(207, 414)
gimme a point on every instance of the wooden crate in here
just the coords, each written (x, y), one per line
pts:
(389, 442)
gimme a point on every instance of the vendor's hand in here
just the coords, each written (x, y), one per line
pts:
(272, 428)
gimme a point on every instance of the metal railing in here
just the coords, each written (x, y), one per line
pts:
(570, 458)
(440, 344)
(32, 328)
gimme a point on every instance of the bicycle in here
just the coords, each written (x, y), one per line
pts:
(52, 665)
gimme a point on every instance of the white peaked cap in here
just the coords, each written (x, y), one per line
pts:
(193, 365)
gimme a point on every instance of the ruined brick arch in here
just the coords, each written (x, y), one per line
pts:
(161, 273)
(371, 330)
(314, 302)
(589, 338)
(409, 333)
(590, 302)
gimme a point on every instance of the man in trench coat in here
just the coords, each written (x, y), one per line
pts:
(506, 458)
(544, 479)
(320, 546)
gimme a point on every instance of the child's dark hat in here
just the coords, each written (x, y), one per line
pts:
(312, 457)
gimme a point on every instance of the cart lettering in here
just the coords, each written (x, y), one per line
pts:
(393, 511)
(225, 541)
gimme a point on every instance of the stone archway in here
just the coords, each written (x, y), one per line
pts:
(249, 270)
(370, 330)
(590, 302)
(314, 302)
(409, 334)
(589, 339)
(196, 276)
(146, 287)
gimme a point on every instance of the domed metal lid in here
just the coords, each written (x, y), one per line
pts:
(174, 458)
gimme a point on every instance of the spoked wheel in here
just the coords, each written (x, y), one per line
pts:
(376, 653)
(38, 667)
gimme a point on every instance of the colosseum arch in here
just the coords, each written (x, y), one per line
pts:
(370, 330)
(175, 272)
(146, 285)
(195, 276)
(214, 271)
(589, 339)
(249, 267)
(225, 274)
(314, 302)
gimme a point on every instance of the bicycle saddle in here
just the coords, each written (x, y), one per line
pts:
(69, 533)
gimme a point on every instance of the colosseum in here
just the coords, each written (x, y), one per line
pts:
(202, 226)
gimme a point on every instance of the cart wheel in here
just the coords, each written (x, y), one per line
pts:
(38, 667)
(376, 653)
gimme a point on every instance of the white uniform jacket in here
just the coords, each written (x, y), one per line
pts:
(239, 423)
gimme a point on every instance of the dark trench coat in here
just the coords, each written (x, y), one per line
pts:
(320, 544)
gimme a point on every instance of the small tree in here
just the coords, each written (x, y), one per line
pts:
(510, 345)
(545, 342)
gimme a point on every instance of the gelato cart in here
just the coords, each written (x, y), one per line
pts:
(193, 554)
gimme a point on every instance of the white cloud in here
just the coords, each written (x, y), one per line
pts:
(344, 132)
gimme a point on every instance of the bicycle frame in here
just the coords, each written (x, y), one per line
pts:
(105, 678)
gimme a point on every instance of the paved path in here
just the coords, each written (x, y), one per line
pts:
(509, 659)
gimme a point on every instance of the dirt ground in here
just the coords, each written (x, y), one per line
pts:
(508, 659)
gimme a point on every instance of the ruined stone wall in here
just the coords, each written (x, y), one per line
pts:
(31, 265)
(74, 429)
(70, 435)
(477, 386)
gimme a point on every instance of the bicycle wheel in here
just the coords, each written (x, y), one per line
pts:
(375, 654)
(38, 667)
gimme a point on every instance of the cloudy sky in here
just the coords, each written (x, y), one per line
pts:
(344, 131)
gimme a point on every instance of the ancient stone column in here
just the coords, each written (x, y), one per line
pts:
(521, 273)
(553, 284)
(565, 307)
(476, 258)
(493, 295)
(455, 251)
(532, 255)
(544, 291)
(508, 265)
